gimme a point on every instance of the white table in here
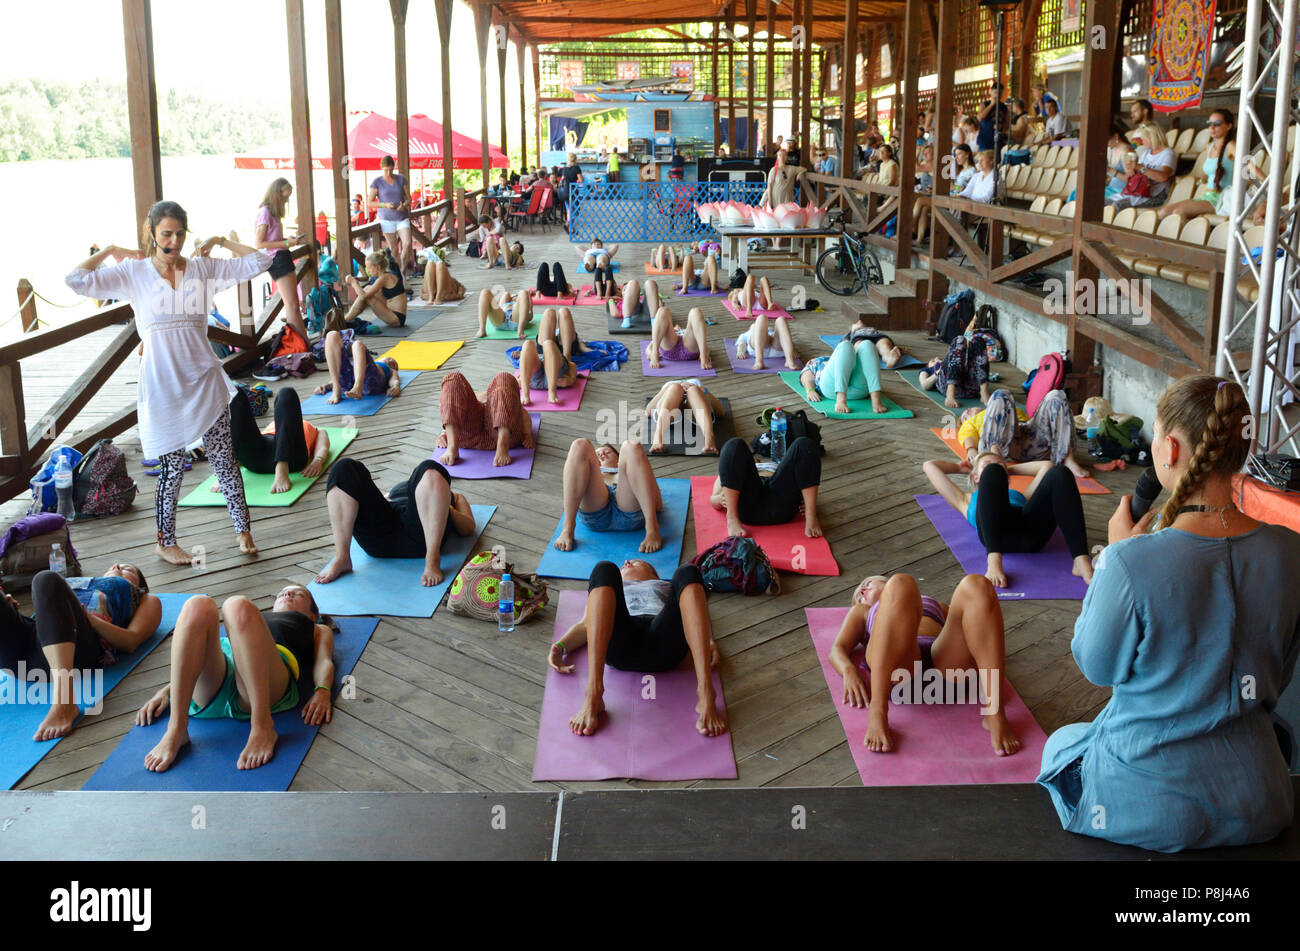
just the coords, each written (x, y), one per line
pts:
(735, 243)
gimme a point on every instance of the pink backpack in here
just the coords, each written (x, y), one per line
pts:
(101, 485)
(1050, 376)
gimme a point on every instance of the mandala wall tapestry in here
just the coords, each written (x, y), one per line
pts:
(1179, 53)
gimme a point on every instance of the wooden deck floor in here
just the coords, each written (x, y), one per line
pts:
(451, 704)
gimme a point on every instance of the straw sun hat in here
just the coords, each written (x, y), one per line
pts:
(1102, 406)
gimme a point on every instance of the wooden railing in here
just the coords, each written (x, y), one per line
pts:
(866, 206)
(23, 446)
(986, 272)
(428, 222)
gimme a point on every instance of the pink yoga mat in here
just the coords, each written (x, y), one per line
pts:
(1040, 575)
(570, 397)
(638, 739)
(770, 364)
(680, 369)
(552, 301)
(477, 463)
(587, 297)
(739, 312)
(935, 744)
(787, 547)
(697, 292)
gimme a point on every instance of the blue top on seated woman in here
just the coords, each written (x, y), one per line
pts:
(1017, 502)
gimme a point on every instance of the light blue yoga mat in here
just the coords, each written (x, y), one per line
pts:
(316, 405)
(909, 360)
(392, 586)
(417, 316)
(591, 547)
(18, 721)
(208, 763)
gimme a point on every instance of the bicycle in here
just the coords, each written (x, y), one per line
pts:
(848, 266)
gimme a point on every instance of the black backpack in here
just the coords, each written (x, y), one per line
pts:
(737, 279)
(796, 424)
(957, 313)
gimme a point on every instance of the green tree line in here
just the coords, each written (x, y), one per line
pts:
(48, 120)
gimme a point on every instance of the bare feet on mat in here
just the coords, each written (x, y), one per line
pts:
(335, 569)
(161, 757)
(450, 457)
(877, 405)
(587, 720)
(653, 542)
(432, 575)
(711, 722)
(173, 554)
(812, 527)
(259, 749)
(565, 541)
(58, 722)
(1083, 568)
(279, 484)
(354, 393)
(734, 527)
(878, 739)
(1005, 741)
(1079, 471)
(502, 458)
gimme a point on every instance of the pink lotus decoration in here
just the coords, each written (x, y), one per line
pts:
(789, 217)
(814, 217)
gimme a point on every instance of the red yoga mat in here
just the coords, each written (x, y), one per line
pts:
(787, 547)
(639, 737)
(934, 744)
(1088, 486)
(545, 301)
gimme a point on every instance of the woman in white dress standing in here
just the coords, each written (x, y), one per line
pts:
(183, 393)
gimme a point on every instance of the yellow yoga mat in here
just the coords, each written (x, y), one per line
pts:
(423, 355)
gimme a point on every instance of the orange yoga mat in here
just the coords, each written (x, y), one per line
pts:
(1087, 486)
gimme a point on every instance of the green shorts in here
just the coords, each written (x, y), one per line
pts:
(225, 702)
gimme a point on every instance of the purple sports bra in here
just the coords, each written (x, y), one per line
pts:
(929, 608)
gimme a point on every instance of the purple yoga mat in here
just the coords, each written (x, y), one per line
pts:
(770, 364)
(638, 739)
(697, 292)
(680, 369)
(936, 744)
(477, 463)
(1036, 576)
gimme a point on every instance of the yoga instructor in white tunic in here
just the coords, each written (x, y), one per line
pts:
(183, 393)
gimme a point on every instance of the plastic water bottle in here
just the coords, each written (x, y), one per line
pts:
(63, 486)
(58, 560)
(1092, 427)
(506, 605)
(778, 435)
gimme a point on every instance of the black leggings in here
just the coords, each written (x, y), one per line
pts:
(640, 643)
(776, 500)
(600, 276)
(386, 526)
(259, 453)
(59, 619)
(1054, 504)
(551, 286)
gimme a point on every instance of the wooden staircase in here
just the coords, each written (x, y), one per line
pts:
(893, 306)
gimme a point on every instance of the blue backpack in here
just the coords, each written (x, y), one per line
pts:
(737, 564)
(44, 496)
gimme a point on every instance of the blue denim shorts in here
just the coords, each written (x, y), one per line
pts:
(611, 518)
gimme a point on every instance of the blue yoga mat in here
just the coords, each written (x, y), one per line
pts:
(316, 405)
(392, 586)
(18, 721)
(208, 763)
(591, 547)
(908, 360)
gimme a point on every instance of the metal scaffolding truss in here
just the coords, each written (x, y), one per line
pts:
(1271, 380)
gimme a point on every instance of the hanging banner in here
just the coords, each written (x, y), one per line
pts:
(568, 72)
(740, 77)
(629, 69)
(886, 62)
(683, 70)
(1178, 56)
(1071, 15)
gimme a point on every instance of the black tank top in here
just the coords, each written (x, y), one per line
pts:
(295, 632)
(398, 288)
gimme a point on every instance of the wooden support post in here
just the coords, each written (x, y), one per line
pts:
(500, 33)
(848, 92)
(304, 193)
(1095, 106)
(27, 304)
(751, 136)
(771, 71)
(907, 160)
(399, 74)
(805, 112)
(717, 89)
(443, 9)
(523, 105)
(244, 301)
(537, 102)
(821, 100)
(946, 67)
(459, 208)
(482, 27)
(142, 108)
(338, 134)
(731, 80)
(13, 412)
(1029, 12)
(796, 77)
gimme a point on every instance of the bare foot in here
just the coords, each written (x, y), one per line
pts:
(706, 363)
(997, 577)
(280, 484)
(657, 449)
(734, 527)
(335, 569)
(553, 399)
(877, 405)
(525, 396)
(450, 457)
(481, 333)
(432, 576)
(502, 457)
(878, 739)
(1005, 741)
(1083, 568)
(841, 404)
(950, 402)
(587, 720)
(259, 749)
(335, 396)
(759, 364)
(246, 546)
(58, 722)
(710, 722)
(355, 393)
(811, 395)
(158, 759)
(653, 542)
(565, 541)
(173, 554)
(792, 364)
(812, 527)
(1079, 471)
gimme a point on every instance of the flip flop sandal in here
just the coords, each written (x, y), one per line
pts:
(150, 463)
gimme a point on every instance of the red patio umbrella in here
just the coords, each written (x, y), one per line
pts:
(371, 136)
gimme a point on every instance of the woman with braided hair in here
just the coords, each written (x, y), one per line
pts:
(1196, 627)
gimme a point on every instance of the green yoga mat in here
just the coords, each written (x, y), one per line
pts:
(257, 487)
(495, 333)
(858, 409)
(913, 377)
